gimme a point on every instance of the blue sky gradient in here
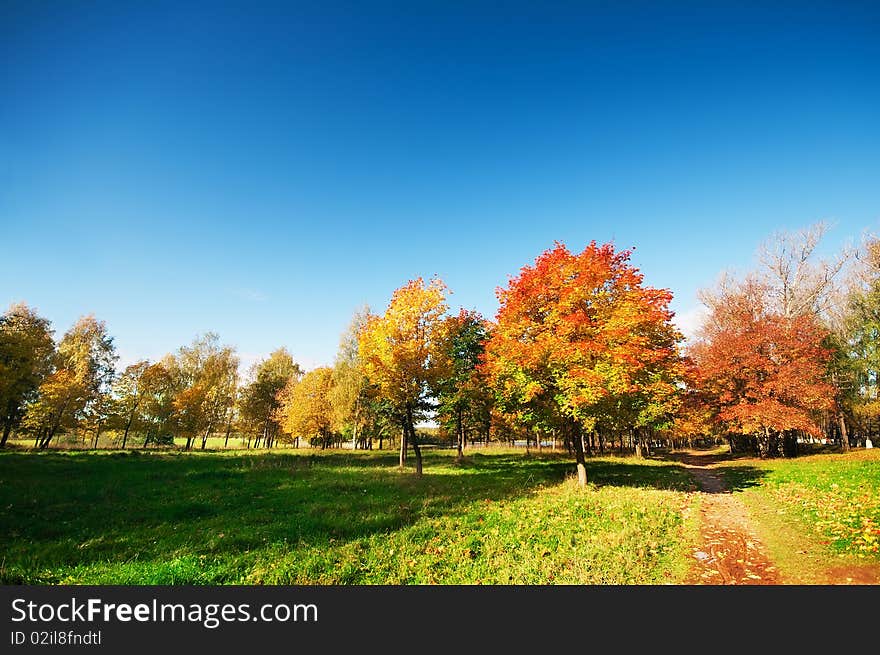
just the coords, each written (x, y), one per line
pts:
(262, 169)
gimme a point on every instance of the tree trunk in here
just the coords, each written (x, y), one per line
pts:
(416, 450)
(459, 430)
(577, 438)
(57, 424)
(7, 429)
(773, 444)
(127, 428)
(637, 439)
(415, 441)
(403, 447)
(844, 437)
(264, 436)
(47, 435)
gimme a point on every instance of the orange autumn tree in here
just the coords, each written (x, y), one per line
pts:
(763, 373)
(579, 340)
(403, 355)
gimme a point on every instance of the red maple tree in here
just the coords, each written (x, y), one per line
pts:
(578, 340)
(764, 374)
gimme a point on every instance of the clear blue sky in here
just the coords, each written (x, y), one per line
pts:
(262, 169)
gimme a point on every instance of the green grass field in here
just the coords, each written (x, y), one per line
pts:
(306, 517)
(814, 510)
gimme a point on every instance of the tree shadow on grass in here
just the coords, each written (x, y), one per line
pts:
(733, 476)
(710, 457)
(62, 511)
(739, 478)
(638, 473)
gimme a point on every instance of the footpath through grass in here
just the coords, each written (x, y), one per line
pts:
(814, 511)
(338, 518)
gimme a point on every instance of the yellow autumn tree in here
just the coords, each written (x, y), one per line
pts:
(403, 355)
(305, 406)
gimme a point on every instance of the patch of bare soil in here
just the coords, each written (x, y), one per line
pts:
(729, 552)
(868, 574)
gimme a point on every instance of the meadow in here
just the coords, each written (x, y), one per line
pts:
(311, 517)
(501, 516)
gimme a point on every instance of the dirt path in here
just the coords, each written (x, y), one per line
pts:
(729, 552)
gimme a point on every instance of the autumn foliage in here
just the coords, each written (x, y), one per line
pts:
(764, 374)
(404, 355)
(581, 351)
(306, 408)
(580, 340)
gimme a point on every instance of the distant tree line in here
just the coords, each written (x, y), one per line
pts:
(581, 353)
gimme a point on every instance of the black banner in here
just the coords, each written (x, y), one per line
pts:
(234, 619)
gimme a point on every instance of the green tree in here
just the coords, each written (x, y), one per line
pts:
(856, 364)
(463, 397)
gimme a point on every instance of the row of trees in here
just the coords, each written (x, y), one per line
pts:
(73, 388)
(48, 389)
(581, 351)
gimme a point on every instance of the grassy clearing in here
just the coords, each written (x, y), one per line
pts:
(338, 518)
(814, 511)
